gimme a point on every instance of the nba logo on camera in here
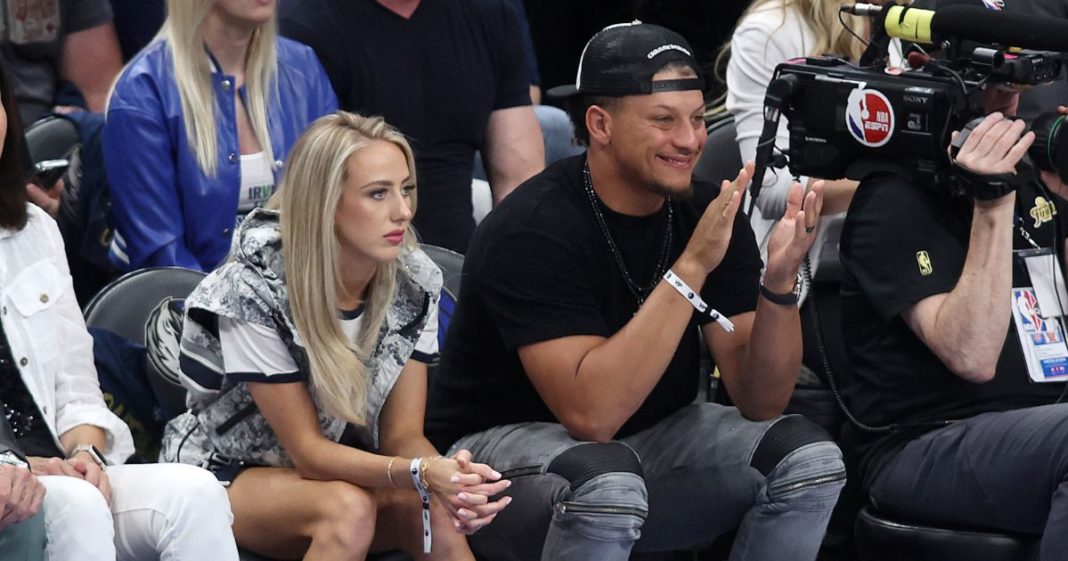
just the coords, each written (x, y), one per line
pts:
(869, 117)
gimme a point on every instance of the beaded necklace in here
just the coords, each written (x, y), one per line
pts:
(640, 293)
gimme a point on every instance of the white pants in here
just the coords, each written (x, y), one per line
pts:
(170, 512)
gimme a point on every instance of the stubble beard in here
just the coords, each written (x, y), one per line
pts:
(684, 193)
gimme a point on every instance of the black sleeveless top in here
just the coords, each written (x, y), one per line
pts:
(19, 410)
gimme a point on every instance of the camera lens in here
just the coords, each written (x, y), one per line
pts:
(1050, 149)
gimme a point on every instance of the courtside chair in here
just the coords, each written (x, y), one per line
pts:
(450, 263)
(123, 306)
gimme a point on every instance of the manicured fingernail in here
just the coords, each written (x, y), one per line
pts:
(507, 483)
(455, 479)
(507, 500)
(497, 475)
(462, 496)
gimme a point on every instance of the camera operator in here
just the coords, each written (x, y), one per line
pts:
(943, 354)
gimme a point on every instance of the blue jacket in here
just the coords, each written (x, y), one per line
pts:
(165, 210)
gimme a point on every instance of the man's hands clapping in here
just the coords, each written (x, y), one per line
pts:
(790, 240)
(793, 236)
(712, 236)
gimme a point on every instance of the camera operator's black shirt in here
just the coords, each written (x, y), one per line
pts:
(895, 377)
(538, 269)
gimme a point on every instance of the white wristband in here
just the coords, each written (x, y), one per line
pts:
(424, 496)
(696, 301)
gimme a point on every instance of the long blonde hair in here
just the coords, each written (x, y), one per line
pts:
(822, 17)
(193, 75)
(307, 200)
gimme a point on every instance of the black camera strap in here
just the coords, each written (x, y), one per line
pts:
(985, 187)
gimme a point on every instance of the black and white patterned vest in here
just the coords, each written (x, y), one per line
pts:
(223, 424)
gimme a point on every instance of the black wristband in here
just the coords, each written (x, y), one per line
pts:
(985, 187)
(788, 299)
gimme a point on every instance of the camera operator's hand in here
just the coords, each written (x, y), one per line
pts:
(710, 238)
(793, 235)
(994, 147)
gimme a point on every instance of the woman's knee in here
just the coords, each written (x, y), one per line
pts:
(178, 491)
(72, 497)
(77, 516)
(205, 495)
(346, 516)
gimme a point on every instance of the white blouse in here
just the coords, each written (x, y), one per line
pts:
(47, 334)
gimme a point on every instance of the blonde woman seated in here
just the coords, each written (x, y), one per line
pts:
(197, 128)
(326, 313)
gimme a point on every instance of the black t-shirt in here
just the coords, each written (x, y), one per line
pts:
(896, 378)
(436, 76)
(539, 268)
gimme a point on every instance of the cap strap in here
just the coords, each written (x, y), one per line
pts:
(680, 85)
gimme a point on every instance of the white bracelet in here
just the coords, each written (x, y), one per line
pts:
(415, 468)
(696, 301)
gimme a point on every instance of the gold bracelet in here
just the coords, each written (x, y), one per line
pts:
(424, 469)
(389, 471)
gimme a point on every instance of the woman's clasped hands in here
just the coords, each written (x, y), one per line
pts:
(467, 489)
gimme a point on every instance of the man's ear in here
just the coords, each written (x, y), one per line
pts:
(599, 125)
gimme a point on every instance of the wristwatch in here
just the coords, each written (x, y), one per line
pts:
(94, 454)
(788, 299)
(9, 458)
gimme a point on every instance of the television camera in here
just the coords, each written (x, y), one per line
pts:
(847, 121)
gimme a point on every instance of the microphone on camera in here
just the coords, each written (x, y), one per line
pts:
(967, 21)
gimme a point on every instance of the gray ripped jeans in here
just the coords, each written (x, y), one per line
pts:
(694, 475)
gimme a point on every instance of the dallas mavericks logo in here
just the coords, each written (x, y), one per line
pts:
(869, 117)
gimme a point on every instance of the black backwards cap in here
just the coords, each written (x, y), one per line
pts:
(621, 60)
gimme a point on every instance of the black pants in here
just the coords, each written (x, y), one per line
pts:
(1005, 471)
